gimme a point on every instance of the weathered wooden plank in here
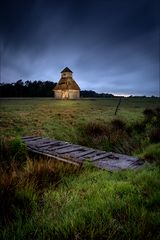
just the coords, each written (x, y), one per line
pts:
(86, 152)
(32, 139)
(76, 153)
(42, 140)
(87, 157)
(36, 142)
(52, 150)
(98, 157)
(113, 164)
(91, 156)
(56, 157)
(23, 138)
(50, 143)
(68, 150)
(125, 157)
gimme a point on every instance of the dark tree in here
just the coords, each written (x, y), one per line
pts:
(27, 89)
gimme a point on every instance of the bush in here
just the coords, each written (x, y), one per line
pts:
(108, 137)
(151, 153)
(136, 127)
(7, 197)
(152, 116)
(154, 135)
(149, 113)
(5, 157)
(95, 129)
(12, 150)
(93, 134)
(45, 172)
(18, 150)
(157, 110)
(118, 124)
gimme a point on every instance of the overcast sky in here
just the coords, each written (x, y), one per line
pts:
(111, 46)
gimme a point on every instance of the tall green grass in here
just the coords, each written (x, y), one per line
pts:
(45, 199)
(95, 205)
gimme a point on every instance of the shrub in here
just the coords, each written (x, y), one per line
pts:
(95, 129)
(18, 150)
(151, 153)
(93, 134)
(111, 136)
(12, 150)
(154, 135)
(157, 110)
(149, 114)
(44, 172)
(118, 124)
(121, 142)
(157, 117)
(136, 127)
(152, 117)
(5, 157)
(7, 197)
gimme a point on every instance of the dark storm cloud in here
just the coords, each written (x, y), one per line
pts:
(111, 45)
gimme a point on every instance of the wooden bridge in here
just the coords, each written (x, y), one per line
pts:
(77, 154)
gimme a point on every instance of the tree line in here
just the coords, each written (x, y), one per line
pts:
(39, 89)
(44, 89)
(27, 89)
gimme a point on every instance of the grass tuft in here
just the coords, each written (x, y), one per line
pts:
(95, 129)
(118, 124)
(149, 113)
(154, 135)
(151, 153)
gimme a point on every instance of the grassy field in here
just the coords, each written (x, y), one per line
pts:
(61, 119)
(43, 199)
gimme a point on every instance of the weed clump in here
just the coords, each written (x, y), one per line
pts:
(95, 129)
(12, 150)
(154, 135)
(18, 150)
(148, 114)
(136, 128)
(152, 116)
(151, 153)
(43, 172)
(110, 136)
(7, 196)
(118, 124)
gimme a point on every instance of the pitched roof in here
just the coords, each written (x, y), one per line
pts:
(66, 70)
(66, 84)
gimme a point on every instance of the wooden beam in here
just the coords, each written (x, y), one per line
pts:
(68, 150)
(55, 157)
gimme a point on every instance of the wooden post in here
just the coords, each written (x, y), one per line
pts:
(117, 106)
